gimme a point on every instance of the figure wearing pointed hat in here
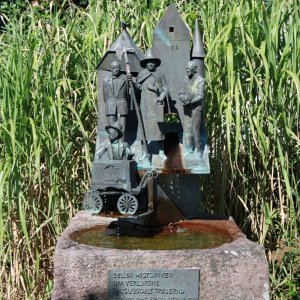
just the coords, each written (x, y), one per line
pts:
(153, 87)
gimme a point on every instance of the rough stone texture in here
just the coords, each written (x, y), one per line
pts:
(236, 270)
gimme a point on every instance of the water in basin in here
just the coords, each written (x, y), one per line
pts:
(170, 237)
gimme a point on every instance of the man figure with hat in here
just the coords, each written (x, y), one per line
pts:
(153, 87)
(114, 149)
(116, 94)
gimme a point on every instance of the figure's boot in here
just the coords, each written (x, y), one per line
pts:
(198, 153)
(162, 155)
(144, 157)
(161, 152)
(188, 145)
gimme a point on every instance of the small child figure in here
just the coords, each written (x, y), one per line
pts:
(115, 149)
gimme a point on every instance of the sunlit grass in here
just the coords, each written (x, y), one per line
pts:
(48, 116)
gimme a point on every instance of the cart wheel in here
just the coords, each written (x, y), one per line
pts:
(127, 204)
(92, 202)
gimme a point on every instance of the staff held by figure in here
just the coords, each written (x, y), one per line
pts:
(122, 51)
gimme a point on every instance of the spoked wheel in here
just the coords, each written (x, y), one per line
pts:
(92, 203)
(127, 204)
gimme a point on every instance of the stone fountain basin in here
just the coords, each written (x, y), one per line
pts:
(234, 270)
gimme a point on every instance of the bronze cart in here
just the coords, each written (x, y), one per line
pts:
(116, 179)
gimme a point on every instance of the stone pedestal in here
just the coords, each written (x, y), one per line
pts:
(236, 270)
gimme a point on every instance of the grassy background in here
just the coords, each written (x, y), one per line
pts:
(48, 116)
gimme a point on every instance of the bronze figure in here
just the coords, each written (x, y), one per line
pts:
(153, 87)
(114, 149)
(116, 95)
(191, 95)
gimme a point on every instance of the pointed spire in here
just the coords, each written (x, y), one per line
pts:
(198, 49)
(171, 27)
(125, 39)
(134, 53)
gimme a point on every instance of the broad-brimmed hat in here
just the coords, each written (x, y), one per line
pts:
(149, 57)
(116, 126)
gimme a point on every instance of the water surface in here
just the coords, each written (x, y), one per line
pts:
(181, 238)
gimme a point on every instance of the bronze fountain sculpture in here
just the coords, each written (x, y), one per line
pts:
(139, 93)
(139, 235)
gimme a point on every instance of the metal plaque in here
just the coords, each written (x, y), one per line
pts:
(154, 284)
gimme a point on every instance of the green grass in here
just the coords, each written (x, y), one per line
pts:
(48, 118)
